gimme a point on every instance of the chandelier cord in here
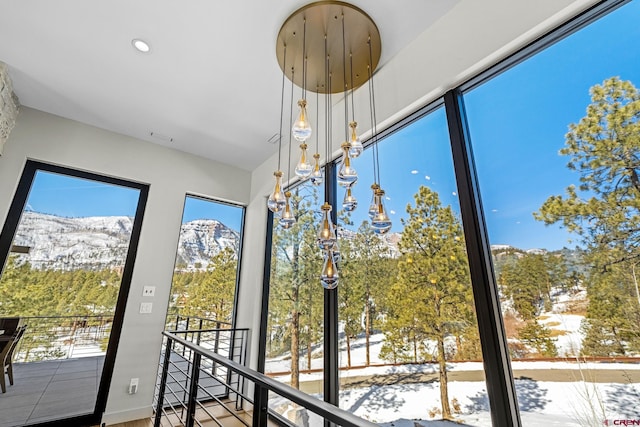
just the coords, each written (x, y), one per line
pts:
(330, 120)
(353, 108)
(326, 103)
(290, 125)
(317, 119)
(281, 108)
(346, 86)
(304, 59)
(372, 97)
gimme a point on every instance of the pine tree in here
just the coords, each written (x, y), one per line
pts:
(366, 271)
(432, 292)
(604, 210)
(295, 308)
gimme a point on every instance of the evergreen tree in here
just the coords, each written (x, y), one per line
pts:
(431, 298)
(367, 270)
(604, 148)
(527, 282)
(604, 210)
(296, 295)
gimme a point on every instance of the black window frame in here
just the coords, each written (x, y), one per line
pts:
(497, 364)
(6, 238)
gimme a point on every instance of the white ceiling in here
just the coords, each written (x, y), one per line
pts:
(211, 81)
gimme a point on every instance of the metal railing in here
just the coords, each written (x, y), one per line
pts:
(63, 337)
(177, 395)
(197, 386)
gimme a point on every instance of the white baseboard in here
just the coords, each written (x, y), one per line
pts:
(128, 415)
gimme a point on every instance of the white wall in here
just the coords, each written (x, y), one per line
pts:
(171, 174)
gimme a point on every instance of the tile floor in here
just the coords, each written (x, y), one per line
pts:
(49, 390)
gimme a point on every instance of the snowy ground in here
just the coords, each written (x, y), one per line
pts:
(542, 403)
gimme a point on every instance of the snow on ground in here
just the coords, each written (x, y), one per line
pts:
(541, 403)
(569, 342)
(544, 404)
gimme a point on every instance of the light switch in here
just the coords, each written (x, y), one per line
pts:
(146, 307)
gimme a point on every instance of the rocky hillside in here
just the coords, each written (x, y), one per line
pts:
(102, 242)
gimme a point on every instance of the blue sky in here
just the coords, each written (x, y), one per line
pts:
(517, 121)
(75, 197)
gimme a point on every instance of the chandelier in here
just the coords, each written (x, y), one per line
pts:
(330, 48)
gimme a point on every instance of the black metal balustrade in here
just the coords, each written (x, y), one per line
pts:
(63, 337)
(199, 386)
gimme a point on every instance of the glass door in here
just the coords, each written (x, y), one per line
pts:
(67, 251)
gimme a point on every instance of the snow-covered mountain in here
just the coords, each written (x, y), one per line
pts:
(202, 239)
(102, 242)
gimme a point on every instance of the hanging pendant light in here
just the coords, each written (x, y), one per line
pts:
(303, 168)
(349, 203)
(355, 146)
(276, 200)
(380, 223)
(317, 175)
(347, 175)
(330, 31)
(329, 276)
(327, 233)
(287, 219)
(302, 129)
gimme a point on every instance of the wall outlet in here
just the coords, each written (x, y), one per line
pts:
(133, 385)
(146, 307)
(148, 291)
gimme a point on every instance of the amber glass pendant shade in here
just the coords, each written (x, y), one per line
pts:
(276, 200)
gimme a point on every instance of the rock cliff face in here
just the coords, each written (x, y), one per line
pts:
(102, 242)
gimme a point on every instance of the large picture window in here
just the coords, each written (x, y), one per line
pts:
(556, 147)
(405, 300)
(207, 261)
(526, 255)
(294, 352)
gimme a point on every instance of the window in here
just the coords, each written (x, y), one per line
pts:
(405, 300)
(555, 144)
(207, 260)
(294, 351)
(67, 249)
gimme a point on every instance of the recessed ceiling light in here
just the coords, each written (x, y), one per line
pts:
(141, 45)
